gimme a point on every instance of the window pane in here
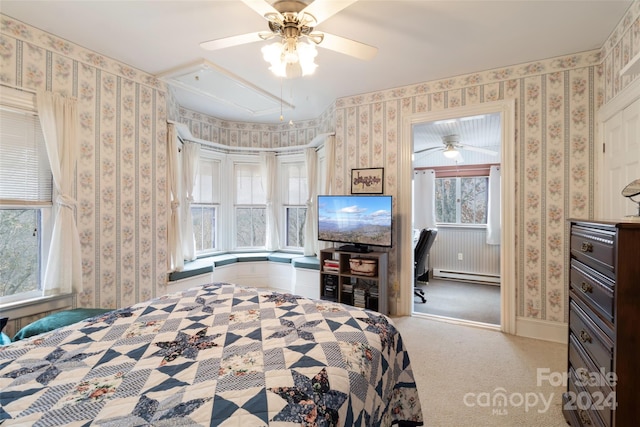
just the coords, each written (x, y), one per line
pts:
(19, 251)
(462, 200)
(259, 226)
(473, 200)
(196, 213)
(446, 189)
(243, 227)
(208, 228)
(204, 227)
(250, 227)
(296, 218)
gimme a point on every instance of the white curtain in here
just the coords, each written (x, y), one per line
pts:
(330, 160)
(59, 120)
(190, 164)
(329, 173)
(176, 257)
(268, 169)
(424, 197)
(493, 208)
(310, 225)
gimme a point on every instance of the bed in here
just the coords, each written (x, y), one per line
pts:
(214, 355)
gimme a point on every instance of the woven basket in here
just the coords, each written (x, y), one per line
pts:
(363, 266)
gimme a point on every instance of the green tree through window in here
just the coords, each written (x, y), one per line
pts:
(462, 200)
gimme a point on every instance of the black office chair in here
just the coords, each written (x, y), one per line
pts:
(420, 254)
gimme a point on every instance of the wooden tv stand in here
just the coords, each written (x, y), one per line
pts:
(340, 284)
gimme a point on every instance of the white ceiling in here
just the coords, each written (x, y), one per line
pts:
(480, 131)
(417, 41)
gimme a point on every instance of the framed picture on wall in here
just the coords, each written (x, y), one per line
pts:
(367, 181)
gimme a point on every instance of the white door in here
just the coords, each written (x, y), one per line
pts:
(621, 163)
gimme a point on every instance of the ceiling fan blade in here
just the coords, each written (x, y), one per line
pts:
(324, 9)
(233, 41)
(426, 150)
(261, 7)
(348, 47)
(478, 149)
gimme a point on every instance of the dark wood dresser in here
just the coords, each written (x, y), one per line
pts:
(603, 388)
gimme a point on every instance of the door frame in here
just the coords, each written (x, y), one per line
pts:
(622, 100)
(506, 109)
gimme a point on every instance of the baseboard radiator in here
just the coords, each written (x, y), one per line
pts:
(467, 277)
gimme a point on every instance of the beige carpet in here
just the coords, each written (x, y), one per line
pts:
(460, 369)
(460, 300)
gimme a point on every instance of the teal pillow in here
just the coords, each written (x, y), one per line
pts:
(58, 320)
(4, 339)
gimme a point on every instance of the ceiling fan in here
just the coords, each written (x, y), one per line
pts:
(451, 147)
(294, 20)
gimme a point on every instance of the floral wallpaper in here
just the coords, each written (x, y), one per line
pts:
(622, 45)
(247, 135)
(121, 171)
(255, 135)
(554, 140)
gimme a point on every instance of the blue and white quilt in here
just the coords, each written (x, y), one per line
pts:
(216, 355)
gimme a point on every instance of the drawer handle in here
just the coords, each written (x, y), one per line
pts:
(586, 287)
(584, 417)
(584, 377)
(584, 336)
(586, 247)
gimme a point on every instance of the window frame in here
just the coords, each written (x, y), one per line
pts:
(286, 206)
(45, 231)
(24, 103)
(211, 156)
(458, 203)
(235, 160)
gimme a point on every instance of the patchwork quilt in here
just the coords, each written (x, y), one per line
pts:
(215, 355)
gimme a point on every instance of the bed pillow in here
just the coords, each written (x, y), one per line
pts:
(58, 320)
(4, 339)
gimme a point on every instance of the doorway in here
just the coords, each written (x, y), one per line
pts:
(506, 112)
(456, 195)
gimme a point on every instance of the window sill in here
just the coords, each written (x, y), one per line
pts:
(452, 225)
(208, 264)
(37, 305)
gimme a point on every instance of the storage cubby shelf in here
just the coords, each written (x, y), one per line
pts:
(340, 284)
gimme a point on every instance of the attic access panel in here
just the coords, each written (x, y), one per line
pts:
(222, 86)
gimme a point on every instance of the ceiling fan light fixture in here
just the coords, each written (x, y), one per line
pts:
(450, 152)
(290, 58)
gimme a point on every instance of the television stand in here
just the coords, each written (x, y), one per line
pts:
(341, 280)
(357, 248)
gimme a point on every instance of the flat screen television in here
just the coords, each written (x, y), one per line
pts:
(359, 221)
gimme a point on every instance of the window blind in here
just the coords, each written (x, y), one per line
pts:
(249, 189)
(295, 180)
(25, 175)
(207, 186)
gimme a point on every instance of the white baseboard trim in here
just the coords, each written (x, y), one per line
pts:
(461, 275)
(542, 330)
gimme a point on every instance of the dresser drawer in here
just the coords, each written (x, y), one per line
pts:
(577, 402)
(594, 287)
(589, 377)
(594, 247)
(596, 343)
